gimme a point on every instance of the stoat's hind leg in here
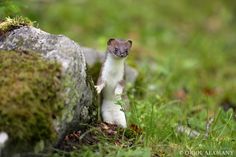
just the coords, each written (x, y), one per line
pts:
(107, 112)
(112, 113)
(119, 118)
(107, 116)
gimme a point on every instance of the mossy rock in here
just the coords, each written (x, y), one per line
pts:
(80, 107)
(30, 96)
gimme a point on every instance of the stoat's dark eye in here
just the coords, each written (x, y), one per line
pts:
(126, 50)
(116, 49)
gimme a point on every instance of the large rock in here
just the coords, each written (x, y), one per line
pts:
(80, 105)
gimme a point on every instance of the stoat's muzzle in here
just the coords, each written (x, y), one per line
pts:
(121, 54)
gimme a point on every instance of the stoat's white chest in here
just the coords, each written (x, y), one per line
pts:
(112, 74)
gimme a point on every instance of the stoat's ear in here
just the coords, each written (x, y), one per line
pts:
(130, 43)
(110, 41)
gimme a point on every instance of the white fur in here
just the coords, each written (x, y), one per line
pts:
(100, 87)
(118, 90)
(3, 140)
(113, 114)
(112, 74)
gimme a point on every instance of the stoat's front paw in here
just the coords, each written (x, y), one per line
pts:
(99, 88)
(118, 91)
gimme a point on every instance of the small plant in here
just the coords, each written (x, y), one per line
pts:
(12, 23)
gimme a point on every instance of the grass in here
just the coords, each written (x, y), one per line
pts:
(185, 52)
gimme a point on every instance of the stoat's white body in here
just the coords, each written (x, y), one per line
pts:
(112, 74)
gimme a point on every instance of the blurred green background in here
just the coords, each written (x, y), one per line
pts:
(184, 51)
(191, 42)
(152, 24)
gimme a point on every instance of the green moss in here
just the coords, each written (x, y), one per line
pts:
(12, 23)
(30, 95)
(91, 79)
(94, 71)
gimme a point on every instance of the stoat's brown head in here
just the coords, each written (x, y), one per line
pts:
(119, 47)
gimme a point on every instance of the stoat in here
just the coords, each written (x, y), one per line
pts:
(111, 81)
